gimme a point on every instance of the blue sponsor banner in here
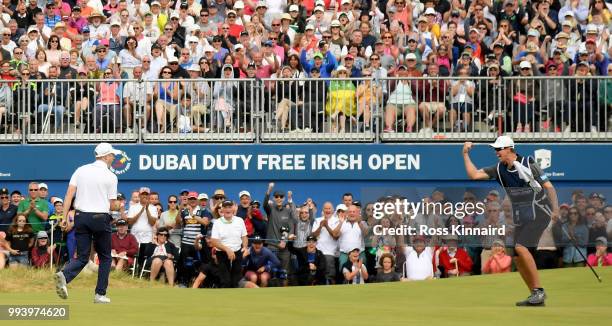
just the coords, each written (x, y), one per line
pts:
(354, 162)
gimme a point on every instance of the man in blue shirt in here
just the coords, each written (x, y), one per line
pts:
(259, 263)
(326, 64)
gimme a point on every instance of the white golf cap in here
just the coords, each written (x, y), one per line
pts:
(175, 15)
(525, 64)
(244, 193)
(503, 142)
(239, 5)
(202, 196)
(411, 56)
(533, 32)
(346, 1)
(591, 29)
(319, 8)
(310, 27)
(238, 46)
(341, 207)
(173, 59)
(294, 8)
(43, 185)
(430, 11)
(194, 67)
(104, 149)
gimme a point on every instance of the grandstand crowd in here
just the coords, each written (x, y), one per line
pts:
(308, 40)
(297, 243)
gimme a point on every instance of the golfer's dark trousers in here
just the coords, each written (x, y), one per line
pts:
(90, 227)
(230, 273)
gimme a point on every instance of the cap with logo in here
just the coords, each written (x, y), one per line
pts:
(121, 222)
(4, 191)
(104, 149)
(525, 65)
(503, 141)
(244, 193)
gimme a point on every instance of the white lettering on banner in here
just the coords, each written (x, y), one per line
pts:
(285, 162)
(399, 162)
(280, 162)
(167, 162)
(224, 162)
(336, 162)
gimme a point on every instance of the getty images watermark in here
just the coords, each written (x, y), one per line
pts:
(424, 207)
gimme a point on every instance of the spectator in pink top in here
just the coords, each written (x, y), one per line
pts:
(601, 257)
(499, 262)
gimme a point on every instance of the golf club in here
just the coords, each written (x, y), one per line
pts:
(457, 267)
(573, 241)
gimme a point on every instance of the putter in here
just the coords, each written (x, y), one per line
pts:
(457, 267)
(573, 241)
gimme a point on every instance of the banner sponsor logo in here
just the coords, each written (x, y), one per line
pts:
(121, 164)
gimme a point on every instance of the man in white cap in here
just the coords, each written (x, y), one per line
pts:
(95, 189)
(534, 204)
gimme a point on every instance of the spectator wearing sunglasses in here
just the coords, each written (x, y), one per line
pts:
(162, 253)
(169, 219)
(281, 217)
(34, 208)
(7, 210)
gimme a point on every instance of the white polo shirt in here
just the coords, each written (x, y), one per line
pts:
(350, 237)
(95, 186)
(326, 243)
(141, 229)
(229, 233)
(418, 267)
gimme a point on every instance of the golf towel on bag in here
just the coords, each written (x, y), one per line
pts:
(522, 183)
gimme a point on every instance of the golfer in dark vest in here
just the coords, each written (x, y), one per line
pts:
(534, 204)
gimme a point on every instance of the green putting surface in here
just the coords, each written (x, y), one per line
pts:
(574, 298)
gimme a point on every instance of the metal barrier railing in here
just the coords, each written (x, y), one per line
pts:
(278, 110)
